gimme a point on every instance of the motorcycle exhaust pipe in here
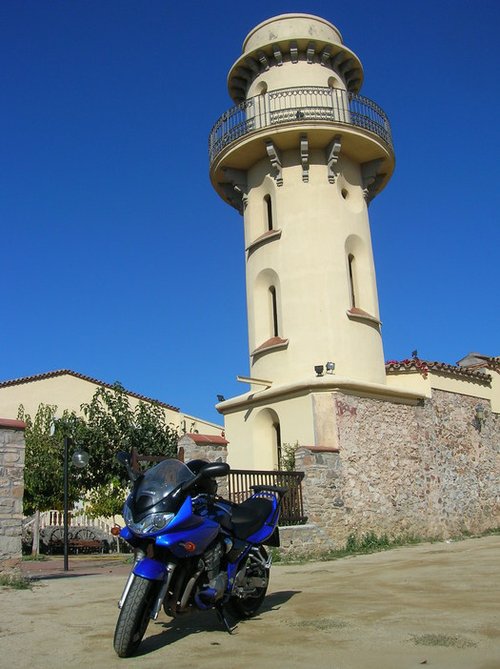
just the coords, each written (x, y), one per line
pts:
(189, 589)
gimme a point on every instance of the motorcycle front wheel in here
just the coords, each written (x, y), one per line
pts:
(134, 616)
(247, 605)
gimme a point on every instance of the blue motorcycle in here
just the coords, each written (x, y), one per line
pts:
(193, 550)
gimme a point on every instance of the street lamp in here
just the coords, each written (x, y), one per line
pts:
(79, 459)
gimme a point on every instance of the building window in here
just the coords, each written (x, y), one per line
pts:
(274, 312)
(277, 434)
(352, 280)
(269, 212)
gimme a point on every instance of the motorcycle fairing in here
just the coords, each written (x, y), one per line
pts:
(185, 518)
(201, 537)
(129, 536)
(190, 529)
(150, 569)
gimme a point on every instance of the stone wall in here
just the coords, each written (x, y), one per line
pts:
(211, 448)
(305, 540)
(428, 470)
(11, 493)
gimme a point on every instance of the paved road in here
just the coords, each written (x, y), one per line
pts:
(435, 605)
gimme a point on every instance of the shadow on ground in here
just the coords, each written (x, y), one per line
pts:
(193, 623)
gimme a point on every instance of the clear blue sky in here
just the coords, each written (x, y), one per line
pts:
(118, 259)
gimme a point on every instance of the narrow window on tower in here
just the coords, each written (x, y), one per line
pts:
(352, 279)
(274, 311)
(269, 211)
(277, 431)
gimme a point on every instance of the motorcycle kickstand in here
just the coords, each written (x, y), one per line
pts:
(219, 609)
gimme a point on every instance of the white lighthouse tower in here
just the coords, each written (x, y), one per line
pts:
(300, 156)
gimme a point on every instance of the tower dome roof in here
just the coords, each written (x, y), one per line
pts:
(291, 38)
(291, 26)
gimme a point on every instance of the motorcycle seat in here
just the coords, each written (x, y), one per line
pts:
(249, 516)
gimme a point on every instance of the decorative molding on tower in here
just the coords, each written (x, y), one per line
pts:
(357, 314)
(310, 52)
(275, 159)
(268, 236)
(252, 64)
(278, 56)
(346, 66)
(263, 60)
(325, 55)
(332, 158)
(371, 178)
(304, 157)
(336, 60)
(272, 344)
(235, 187)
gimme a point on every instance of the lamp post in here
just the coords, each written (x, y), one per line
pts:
(79, 459)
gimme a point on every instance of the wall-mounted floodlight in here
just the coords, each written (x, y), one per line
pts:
(330, 367)
(480, 416)
(319, 369)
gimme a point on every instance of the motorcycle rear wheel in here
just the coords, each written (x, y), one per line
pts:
(134, 616)
(246, 607)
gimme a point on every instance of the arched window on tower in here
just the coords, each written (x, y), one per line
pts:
(277, 434)
(268, 206)
(274, 312)
(361, 286)
(266, 325)
(266, 437)
(259, 106)
(352, 280)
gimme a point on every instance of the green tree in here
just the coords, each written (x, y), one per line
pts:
(288, 456)
(44, 460)
(109, 424)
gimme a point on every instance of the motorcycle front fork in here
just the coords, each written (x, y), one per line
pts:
(138, 555)
(170, 568)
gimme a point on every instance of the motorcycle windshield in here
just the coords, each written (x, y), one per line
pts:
(162, 479)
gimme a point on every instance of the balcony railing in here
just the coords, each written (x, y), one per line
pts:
(293, 105)
(292, 506)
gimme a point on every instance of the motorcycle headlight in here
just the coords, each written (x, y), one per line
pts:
(154, 522)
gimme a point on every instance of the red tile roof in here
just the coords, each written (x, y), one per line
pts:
(426, 366)
(207, 439)
(478, 360)
(64, 372)
(12, 424)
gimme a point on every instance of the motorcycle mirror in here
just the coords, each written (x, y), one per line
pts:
(124, 459)
(215, 469)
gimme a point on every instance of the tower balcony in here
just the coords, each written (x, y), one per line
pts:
(238, 138)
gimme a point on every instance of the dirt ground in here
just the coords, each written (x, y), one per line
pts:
(436, 605)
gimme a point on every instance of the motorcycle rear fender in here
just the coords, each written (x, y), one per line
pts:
(264, 533)
(274, 539)
(152, 570)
